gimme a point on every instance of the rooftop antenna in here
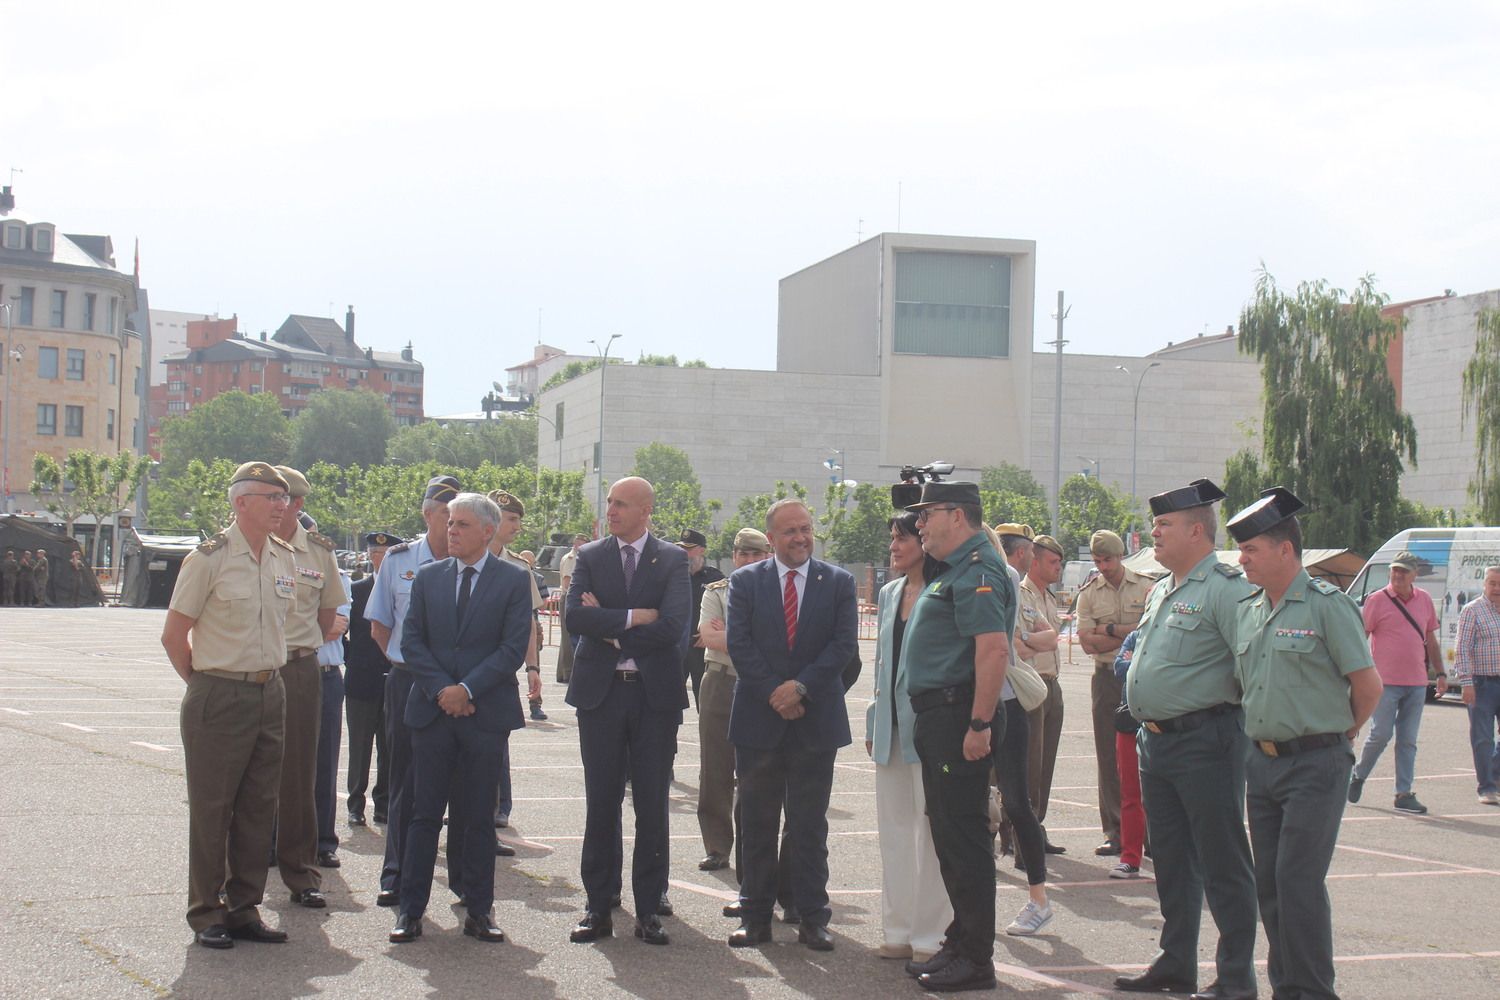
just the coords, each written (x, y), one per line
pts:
(898, 206)
(13, 172)
(859, 231)
(538, 324)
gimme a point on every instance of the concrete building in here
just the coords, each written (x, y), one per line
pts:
(526, 378)
(74, 356)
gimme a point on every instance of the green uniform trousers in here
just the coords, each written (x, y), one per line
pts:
(715, 762)
(296, 805)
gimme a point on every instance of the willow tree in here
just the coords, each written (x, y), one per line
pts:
(1482, 397)
(1332, 432)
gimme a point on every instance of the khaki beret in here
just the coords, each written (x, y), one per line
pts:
(259, 472)
(296, 482)
(506, 501)
(751, 540)
(1106, 543)
(1049, 543)
(1024, 530)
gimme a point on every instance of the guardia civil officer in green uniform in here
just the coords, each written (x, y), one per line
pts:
(1192, 750)
(956, 650)
(1308, 684)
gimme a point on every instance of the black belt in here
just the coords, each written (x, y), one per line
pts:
(1189, 720)
(963, 694)
(628, 676)
(1301, 744)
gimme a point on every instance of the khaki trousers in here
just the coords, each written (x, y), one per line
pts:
(1045, 724)
(231, 743)
(716, 763)
(296, 804)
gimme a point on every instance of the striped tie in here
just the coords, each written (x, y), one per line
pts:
(789, 606)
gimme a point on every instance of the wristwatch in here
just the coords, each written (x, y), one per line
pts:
(801, 689)
(979, 725)
(1109, 630)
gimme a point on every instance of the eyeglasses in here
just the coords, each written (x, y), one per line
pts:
(277, 499)
(925, 512)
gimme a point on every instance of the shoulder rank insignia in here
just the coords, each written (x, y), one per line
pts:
(1322, 586)
(284, 544)
(1227, 570)
(717, 585)
(974, 556)
(1252, 595)
(215, 543)
(398, 547)
(322, 540)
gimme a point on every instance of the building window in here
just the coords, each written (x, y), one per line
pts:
(15, 236)
(59, 308)
(176, 406)
(257, 366)
(74, 417)
(46, 362)
(135, 434)
(46, 418)
(89, 301)
(41, 239)
(953, 305)
(557, 421)
(114, 305)
(28, 307)
(176, 385)
(113, 364)
(75, 365)
(197, 392)
(109, 424)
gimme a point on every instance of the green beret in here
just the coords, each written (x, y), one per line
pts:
(1106, 543)
(259, 472)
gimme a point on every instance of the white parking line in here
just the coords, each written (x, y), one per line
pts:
(158, 746)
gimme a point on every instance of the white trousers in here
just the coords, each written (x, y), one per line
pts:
(914, 907)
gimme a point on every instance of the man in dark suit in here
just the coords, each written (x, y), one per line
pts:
(628, 606)
(793, 627)
(463, 640)
(365, 669)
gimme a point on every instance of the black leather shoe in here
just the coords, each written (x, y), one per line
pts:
(214, 936)
(257, 931)
(504, 850)
(944, 955)
(387, 897)
(357, 819)
(959, 974)
(1108, 849)
(592, 927)
(310, 898)
(379, 816)
(483, 928)
(790, 916)
(408, 928)
(650, 931)
(735, 909)
(815, 937)
(664, 908)
(1052, 848)
(1216, 992)
(713, 863)
(750, 935)
(1152, 981)
(328, 859)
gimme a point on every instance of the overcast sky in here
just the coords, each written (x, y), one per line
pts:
(653, 170)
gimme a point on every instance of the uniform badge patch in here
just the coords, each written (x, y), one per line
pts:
(1296, 633)
(286, 586)
(410, 574)
(1184, 608)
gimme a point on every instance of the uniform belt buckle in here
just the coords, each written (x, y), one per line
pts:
(1153, 727)
(1268, 747)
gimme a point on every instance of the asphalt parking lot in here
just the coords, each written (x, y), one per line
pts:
(93, 869)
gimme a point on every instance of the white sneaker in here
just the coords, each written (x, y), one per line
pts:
(1490, 798)
(1030, 920)
(1125, 870)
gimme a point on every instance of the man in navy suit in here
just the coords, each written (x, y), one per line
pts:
(628, 606)
(463, 640)
(793, 627)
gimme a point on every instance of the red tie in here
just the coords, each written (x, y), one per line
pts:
(789, 606)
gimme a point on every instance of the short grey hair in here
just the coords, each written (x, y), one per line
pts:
(1492, 569)
(781, 505)
(239, 489)
(428, 506)
(1014, 543)
(479, 505)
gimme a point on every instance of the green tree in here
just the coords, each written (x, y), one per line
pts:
(1482, 398)
(232, 425)
(1242, 485)
(342, 425)
(1415, 514)
(506, 441)
(1084, 506)
(856, 523)
(679, 497)
(658, 360)
(1006, 477)
(195, 501)
(1009, 506)
(572, 370)
(751, 513)
(695, 363)
(87, 484)
(1332, 432)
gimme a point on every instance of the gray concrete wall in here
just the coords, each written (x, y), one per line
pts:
(828, 314)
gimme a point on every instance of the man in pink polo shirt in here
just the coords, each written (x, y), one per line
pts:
(1402, 626)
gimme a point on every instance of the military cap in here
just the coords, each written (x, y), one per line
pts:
(1106, 543)
(296, 483)
(259, 472)
(442, 488)
(1275, 505)
(690, 538)
(506, 501)
(1049, 543)
(580, 537)
(1198, 493)
(1011, 528)
(1404, 560)
(380, 539)
(751, 540)
(934, 494)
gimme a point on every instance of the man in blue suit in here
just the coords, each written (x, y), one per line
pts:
(793, 627)
(628, 606)
(463, 640)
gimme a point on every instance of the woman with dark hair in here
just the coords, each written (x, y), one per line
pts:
(914, 907)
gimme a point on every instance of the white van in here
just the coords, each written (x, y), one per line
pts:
(1450, 567)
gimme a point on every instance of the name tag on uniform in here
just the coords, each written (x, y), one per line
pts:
(310, 574)
(286, 586)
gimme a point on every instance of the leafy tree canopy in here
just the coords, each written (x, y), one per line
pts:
(572, 370)
(1482, 400)
(342, 425)
(506, 441)
(752, 514)
(233, 425)
(87, 484)
(856, 523)
(1008, 478)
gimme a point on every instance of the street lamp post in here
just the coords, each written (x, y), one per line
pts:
(1135, 418)
(603, 369)
(1091, 461)
(5, 413)
(550, 424)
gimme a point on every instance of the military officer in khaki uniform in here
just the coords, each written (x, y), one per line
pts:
(715, 698)
(225, 637)
(1109, 606)
(564, 579)
(1308, 683)
(309, 624)
(1038, 628)
(1192, 750)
